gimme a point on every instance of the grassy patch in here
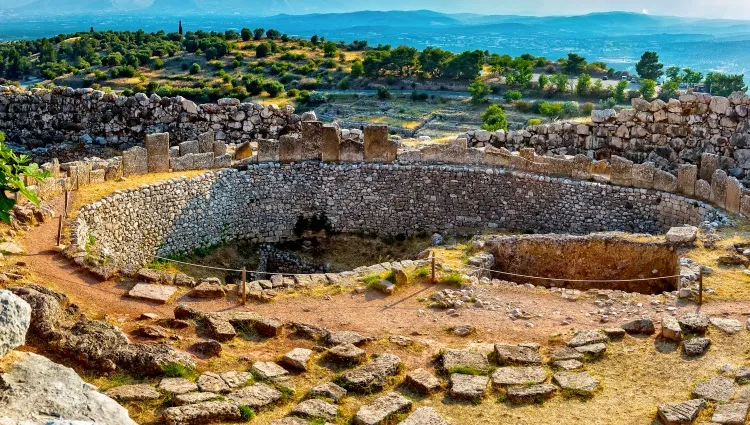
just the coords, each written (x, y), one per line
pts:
(452, 278)
(247, 413)
(176, 370)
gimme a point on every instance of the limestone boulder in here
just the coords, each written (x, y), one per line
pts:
(15, 319)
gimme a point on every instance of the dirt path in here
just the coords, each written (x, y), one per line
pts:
(369, 313)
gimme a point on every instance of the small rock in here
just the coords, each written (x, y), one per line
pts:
(693, 323)
(328, 390)
(315, 408)
(268, 370)
(719, 389)
(463, 360)
(212, 382)
(592, 350)
(579, 383)
(256, 396)
(516, 355)
(463, 330)
(682, 413)
(381, 409)
(567, 364)
(730, 414)
(696, 346)
(682, 235)
(207, 290)
(177, 386)
(193, 398)
(208, 348)
(138, 392)
(670, 328)
(729, 326)
(423, 381)
(297, 358)
(587, 337)
(347, 353)
(531, 393)
(470, 387)
(208, 412)
(519, 376)
(642, 326)
(424, 416)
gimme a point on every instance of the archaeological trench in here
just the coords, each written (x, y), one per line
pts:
(504, 277)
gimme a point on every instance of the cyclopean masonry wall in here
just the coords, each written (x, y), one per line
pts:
(264, 202)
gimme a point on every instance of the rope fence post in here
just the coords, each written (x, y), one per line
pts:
(243, 287)
(63, 216)
(432, 267)
(700, 286)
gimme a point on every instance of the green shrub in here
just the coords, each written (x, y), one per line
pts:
(551, 109)
(534, 121)
(384, 92)
(571, 108)
(195, 69)
(273, 88)
(494, 119)
(522, 105)
(247, 413)
(176, 370)
(344, 84)
(452, 278)
(292, 93)
(512, 95)
(587, 108)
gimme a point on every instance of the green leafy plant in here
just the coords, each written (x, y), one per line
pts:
(176, 370)
(453, 278)
(14, 169)
(247, 413)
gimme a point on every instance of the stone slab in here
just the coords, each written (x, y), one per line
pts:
(150, 292)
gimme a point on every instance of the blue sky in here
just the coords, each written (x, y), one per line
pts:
(730, 9)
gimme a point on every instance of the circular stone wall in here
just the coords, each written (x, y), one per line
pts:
(264, 202)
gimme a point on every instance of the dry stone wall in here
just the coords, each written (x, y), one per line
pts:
(264, 202)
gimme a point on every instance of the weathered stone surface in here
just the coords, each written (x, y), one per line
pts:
(374, 375)
(422, 381)
(687, 175)
(694, 323)
(592, 350)
(209, 347)
(733, 195)
(514, 354)
(268, 370)
(682, 413)
(136, 392)
(328, 390)
(530, 393)
(177, 386)
(201, 413)
(268, 150)
(193, 398)
(566, 353)
(330, 144)
(642, 326)
(468, 386)
(708, 166)
(719, 389)
(622, 171)
(315, 408)
(703, 190)
(696, 346)
(719, 188)
(382, 409)
(188, 147)
(377, 146)
(256, 396)
(220, 330)
(670, 328)
(587, 337)
(311, 137)
(345, 337)
(150, 292)
(519, 376)
(212, 382)
(290, 420)
(34, 388)
(567, 364)
(206, 142)
(424, 416)
(157, 147)
(684, 235)
(351, 150)
(577, 382)
(243, 151)
(730, 414)
(291, 148)
(347, 353)
(297, 358)
(457, 360)
(207, 290)
(15, 319)
(134, 161)
(729, 326)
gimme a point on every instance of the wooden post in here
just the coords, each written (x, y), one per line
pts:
(700, 285)
(65, 210)
(244, 285)
(433, 266)
(59, 231)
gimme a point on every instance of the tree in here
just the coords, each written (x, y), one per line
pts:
(575, 64)
(723, 85)
(465, 66)
(195, 68)
(673, 74)
(560, 81)
(479, 91)
(583, 85)
(512, 95)
(273, 34)
(494, 119)
(669, 90)
(14, 169)
(521, 76)
(273, 88)
(315, 39)
(357, 69)
(179, 28)
(543, 81)
(404, 58)
(433, 60)
(330, 49)
(649, 67)
(246, 34)
(258, 33)
(262, 50)
(619, 96)
(691, 77)
(648, 88)
(384, 92)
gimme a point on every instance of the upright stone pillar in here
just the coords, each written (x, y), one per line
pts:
(157, 147)
(733, 195)
(290, 148)
(643, 175)
(312, 140)
(134, 161)
(687, 175)
(378, 148)
(206, 142)
(719, 188)
(709, 164)
(331, 142)
(268, 150)
(622, 171)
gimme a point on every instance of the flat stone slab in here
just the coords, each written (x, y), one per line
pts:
(256, 396)
(639, 327)
(347, 353)
(381, 409)
(587, 337)
(177, 386)
(730, 414)
(200, 413)
(422, 381)
(470, 387)
(685, 235)
(614, 333)
(328, 390)
(519, 375)
(269, 370)
(531, 393)
(670, 328)
(10, 248)
(345, 337)
(212, 382)
(290, 420)
(151, 292)
(138, 392)
(718, 389)
(729, 326)
(193, 398)
(464, 361)
(374, 375)
(220, 330)
(567, 364)
(577, 382)
(566, 353)
(297, 358)
(592, 350)
(682, 413)
(315, 408)
(696, 346)
(424, 416)
(516, 355)
(236, 379)
(693, 323)
(207, 290)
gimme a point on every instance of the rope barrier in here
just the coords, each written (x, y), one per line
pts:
(572, 280)
(235, 270)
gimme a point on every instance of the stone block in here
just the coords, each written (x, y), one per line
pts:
(223, 161)
(643, 175)
(174, 151)
(378, 148)
(703, 190)
(496, 157)
(113, 171)
(188, 147)
(351, 151)
(582, 166)
(664, 181)
(622, 171)
(733, 195)
(220, 148)
(311, 139)
(709, 164)
(203, 161)
(745, 204)
(97, 176)
(719, 188)
(268, 150)
(135, 161)
(290, 148)
(158, 163)
(410, 156)
(149, 292)
(157, 144)
(243, 151)
(687, 174)
(330, 144)
(182, 163)
(206, 142)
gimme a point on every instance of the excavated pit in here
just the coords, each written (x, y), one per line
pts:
(579, 261)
